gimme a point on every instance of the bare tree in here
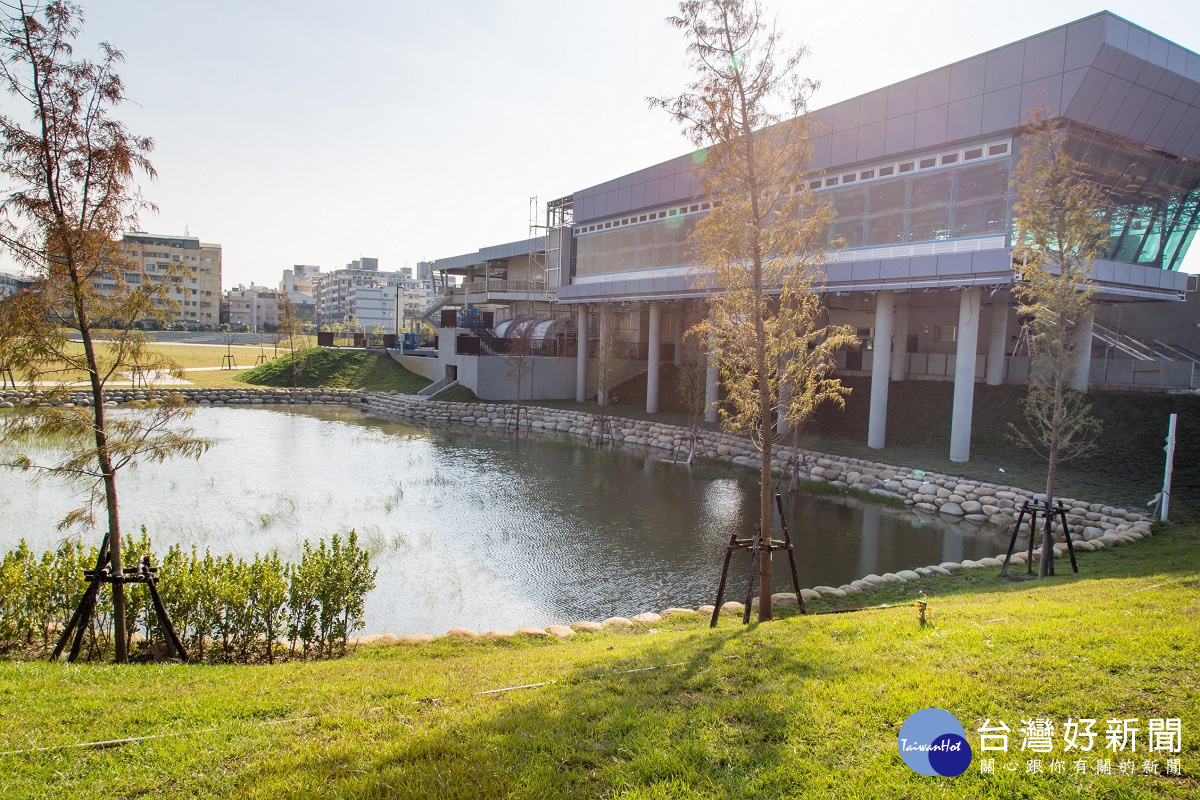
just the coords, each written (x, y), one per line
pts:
(1059, 232)
(760, 248)
(291, 327)
(70, 170)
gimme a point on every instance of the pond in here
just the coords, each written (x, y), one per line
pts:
(471, 529)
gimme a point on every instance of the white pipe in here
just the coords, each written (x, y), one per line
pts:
(1166, 490)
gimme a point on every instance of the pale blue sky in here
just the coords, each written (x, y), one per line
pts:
(302, 132)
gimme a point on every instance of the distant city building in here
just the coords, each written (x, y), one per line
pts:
(255, 306)
(299, 279)
(192, 266)
(355, 294)
(11, 284)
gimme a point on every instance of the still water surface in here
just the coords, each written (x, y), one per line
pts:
(469, 529)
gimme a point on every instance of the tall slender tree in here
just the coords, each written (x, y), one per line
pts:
(69, 169)
(1059, 229)
(760, 248)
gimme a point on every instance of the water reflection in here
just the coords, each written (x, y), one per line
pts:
(469, 530)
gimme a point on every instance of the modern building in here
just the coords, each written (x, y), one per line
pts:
(192, 267)
(299, 279)
(11, 284)
(920, 175)
(356, 294)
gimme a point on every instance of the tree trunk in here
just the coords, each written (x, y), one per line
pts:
(1051, 470)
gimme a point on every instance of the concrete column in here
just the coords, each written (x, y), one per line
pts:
(881, 360)
(1083, 354)
(900, 342)
(581, 328)
(679, 306)
(964, 374)
(710, 388)
(997, 343)
(653, 357)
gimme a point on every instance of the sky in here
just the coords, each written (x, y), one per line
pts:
(316, 133)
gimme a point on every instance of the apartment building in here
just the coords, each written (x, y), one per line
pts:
(193, 268)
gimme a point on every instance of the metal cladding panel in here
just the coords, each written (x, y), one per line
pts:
(967, 78)
(1109, 103)
(893, 269)
(1188, 91)
(839, 273)
(845, 116)
(1104, 271)
(930, 127)
(1149, 76)
(1044, 55)
(844, 147)
(1046, 92)
(933, 89)
(965, 118)
(1183, 134)
(899, 135)
(871, 142)
(638, 192)
(1192, 150)
(902, 98)
(922, 266)
(1131, 110)
(954, 264)
(1002, 109)
(625, 199)
(1109, 58)
(1130, 68)
(1144, 125)
(1171, 117)
(872, 107)
(864, 271)
(1083, 42)
(1004, 67)
(821, 120)
(991, 261)
(1087, 95)
(1070, 85)
(821, 149)
(1169, 84)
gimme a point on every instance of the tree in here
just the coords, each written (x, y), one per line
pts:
(760, 248)
(290, 327)
(70, 169)
(518, 357)
(1059, 230)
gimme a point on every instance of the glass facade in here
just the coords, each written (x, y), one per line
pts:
(1154, 199)
(1153, 213)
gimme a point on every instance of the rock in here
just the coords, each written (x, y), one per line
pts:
(498, 633)
(989, 562)
(706, 611)
(733, 607)
(561, 631)
(679, 612)
(951, 509)
(646, 618)
(529, 631)
(891, 577)
(951, 565)
(945, 573)
(617, 622)
(461, 633)
(416, 638)
(908, 574)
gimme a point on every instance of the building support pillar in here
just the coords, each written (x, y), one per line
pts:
(679, 331)
(581, 331)
(900, 341)
(881, 361)
(964, 374)
(1083, 353)
(653, 357)
(997, 343)
(711, 378)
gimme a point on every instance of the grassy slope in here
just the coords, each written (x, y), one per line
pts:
(806, 706)
(338, 369)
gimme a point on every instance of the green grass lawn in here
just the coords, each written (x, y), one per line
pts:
(338, 369)
(801, 707)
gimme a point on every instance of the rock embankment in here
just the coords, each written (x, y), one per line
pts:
(12, 398)
(930, 492)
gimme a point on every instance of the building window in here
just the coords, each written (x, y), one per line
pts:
(945, 333)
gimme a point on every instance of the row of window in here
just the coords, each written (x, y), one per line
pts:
(884, 171)
(649, 216)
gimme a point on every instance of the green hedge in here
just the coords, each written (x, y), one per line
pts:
(224, 609)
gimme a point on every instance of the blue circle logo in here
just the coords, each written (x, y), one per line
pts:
(933, 742)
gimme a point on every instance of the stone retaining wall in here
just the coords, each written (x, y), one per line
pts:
(11, 398)
(935, 493)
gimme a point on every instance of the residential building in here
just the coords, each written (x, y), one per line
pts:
(354, 294)
(255, 306)
(299, 279)
(193, 268)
